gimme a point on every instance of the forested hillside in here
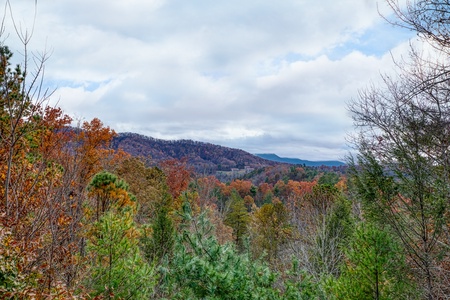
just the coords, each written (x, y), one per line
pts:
(204, 158)
(80, 218)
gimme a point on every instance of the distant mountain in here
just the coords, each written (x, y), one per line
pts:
(205, 158)
(296, 161)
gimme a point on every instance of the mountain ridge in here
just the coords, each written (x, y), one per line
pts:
(297, 161)
(203, 157)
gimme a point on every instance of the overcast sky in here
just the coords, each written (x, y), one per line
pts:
(260, 75)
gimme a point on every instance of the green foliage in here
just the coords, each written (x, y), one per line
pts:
(148, 184)
(201, 268)
(340, 222)
(117, 269)
(162, 238)
(329, 178)
(375, 267)
(108, 191)
(298, 284)
(14, 103)
(410, 197)
(237, 218)
(374, 187)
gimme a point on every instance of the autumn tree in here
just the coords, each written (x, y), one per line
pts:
(178, 176)
(31, 176)
(148, 184)
(242, 187)
(213, 202)
(208, 189)
(264, 194)
(21, 102)
(270, 230)
(85, 152)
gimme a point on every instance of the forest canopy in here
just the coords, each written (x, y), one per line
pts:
(81, 219)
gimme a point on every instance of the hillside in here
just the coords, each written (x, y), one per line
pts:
(205, 158)
(296, 161)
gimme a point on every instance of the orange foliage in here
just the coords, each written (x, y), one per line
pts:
(342, 184)
(264, 188)
(249, 202)
(241, 186)
(178, 176)
(293, 192)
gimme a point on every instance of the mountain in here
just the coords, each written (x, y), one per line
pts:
(296, 161)
(205, 158)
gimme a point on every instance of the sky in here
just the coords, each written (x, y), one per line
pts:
(259, 75)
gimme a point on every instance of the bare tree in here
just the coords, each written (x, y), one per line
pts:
(429, 18)
(22, 98)
(403, 169)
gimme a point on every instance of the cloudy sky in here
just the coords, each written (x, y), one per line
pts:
(261, 75)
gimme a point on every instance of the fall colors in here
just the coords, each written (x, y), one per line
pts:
(82, 218)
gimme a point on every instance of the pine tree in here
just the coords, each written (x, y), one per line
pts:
(237, 218)
(374, 267)
(117, 269)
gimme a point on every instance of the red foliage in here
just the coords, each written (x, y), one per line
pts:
(178, 175)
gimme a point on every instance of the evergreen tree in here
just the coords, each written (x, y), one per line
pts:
(375, 267)
(202, 268)
(161, 241)
(117, 269)
(237, 218)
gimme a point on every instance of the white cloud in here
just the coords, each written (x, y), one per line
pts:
(264, 76)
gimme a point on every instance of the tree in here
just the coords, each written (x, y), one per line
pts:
(242, 187)
(324, 223)
(271, 229)
(430, 19)
(160, 243)
(149, 186)
(402, 172)
(202, 268)
(107, 191)
(178, 176)
(375, 267)
(237, 218)
(84, 151)
(21, 101)
(31, 136)
(117, 270)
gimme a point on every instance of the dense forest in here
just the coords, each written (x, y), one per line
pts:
(205, 158)
(81, 218)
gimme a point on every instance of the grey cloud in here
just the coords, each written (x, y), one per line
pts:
(254, 75)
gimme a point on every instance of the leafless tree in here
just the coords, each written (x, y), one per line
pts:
(403, 169)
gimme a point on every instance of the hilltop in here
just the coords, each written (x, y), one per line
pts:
(205, 158)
